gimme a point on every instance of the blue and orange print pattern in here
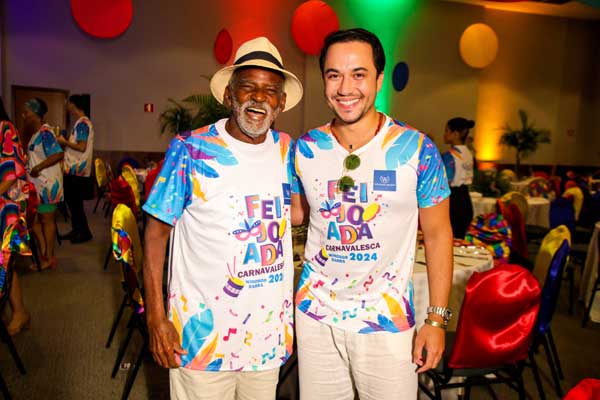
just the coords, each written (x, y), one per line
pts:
(190, 155)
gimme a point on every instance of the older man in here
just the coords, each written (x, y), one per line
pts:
(224, 195)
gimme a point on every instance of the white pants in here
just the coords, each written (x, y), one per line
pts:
(332, 363)
(189, 384)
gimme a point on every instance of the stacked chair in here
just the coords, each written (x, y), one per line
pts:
(127, 250)
(14, 241)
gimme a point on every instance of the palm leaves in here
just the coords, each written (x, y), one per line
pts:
(196, 111)
(524, 140)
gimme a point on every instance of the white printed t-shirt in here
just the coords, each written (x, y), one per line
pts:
(459, 165)
(361, 244)
(231, 272)
(77, 162)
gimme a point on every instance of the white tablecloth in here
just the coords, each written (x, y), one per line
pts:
(538, 212)
(521, 186)
(466, 261)
(590, 272)
(538, 209)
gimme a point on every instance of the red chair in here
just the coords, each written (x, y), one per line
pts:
(513, 216)
(587, 389)
(494, 332)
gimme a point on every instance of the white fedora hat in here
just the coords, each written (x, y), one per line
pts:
(258, 52)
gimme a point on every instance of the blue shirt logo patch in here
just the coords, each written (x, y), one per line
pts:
(384, 180)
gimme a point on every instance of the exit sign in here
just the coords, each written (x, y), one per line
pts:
(149, 107)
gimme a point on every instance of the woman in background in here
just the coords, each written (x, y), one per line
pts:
(43, 164)
(79, 147)
(13, 203)
(459, 169)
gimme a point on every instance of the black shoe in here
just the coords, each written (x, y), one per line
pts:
(67, 236)
(81, 238)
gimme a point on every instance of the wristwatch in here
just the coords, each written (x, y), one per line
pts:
(443, 312)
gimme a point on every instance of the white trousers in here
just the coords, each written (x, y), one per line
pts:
(189, 384)
(333, 363)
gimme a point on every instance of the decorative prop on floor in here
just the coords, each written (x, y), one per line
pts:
(311, 22)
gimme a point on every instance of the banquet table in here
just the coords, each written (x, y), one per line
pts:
(590, 272)
(538, 209)
(467, 260)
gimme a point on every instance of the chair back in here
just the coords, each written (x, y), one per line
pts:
(513, 216)
(492, 232)
(100, 171)
(586, 389)
(128, 173)
(122, 193)
(562, 212)
(539, 187)
(127, 160)
(552, 287)
(496, 318)
(550, 245)
(577, 195)
(508, 175)
(519, 200)
(541, 174)
(127, 250)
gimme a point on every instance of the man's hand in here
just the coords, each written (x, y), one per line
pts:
(164, 343)
(432, 339)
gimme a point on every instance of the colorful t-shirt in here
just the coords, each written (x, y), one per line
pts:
(12, 162)
(76, 162)
(459, 165)
(49, 183)
(12, 167)
(361, 244)
(231, 271)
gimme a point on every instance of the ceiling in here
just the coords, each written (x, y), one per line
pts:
(572, 9)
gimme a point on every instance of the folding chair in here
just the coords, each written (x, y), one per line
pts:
(543, 333)
(493, 335)
(127, 250)
(15, 240)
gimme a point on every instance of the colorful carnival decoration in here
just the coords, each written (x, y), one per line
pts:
(400, 76)
(103, 19)
(311, 23)
(223, 46)
(478, 45)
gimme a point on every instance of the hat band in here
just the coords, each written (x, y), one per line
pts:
(258, 55)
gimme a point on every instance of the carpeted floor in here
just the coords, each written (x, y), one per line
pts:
(72, 310)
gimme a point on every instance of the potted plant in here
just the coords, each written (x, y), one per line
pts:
(524, 140)
(199, 110)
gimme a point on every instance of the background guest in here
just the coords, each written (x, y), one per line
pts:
(459, 169)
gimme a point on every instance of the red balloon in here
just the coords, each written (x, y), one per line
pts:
(311, 22)
(223, 46)
(102, 18)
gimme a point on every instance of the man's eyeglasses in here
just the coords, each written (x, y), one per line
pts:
(345, 183)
